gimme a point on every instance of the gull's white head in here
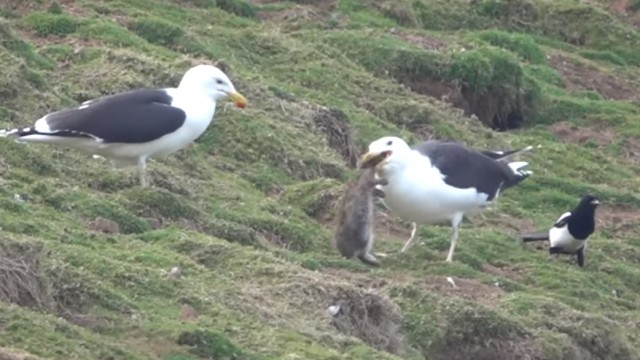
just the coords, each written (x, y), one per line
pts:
(384, 151)
(214, 82)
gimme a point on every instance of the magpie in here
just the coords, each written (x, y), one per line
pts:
(572, 229)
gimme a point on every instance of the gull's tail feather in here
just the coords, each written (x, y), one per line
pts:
(537, 236)
(518, 173)
(505, 154)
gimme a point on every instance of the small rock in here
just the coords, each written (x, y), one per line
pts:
(105, 225)
(175, 272)
(187, 312)
(154, 223)
(334, 310)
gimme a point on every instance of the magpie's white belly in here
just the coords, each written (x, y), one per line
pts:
(560, 237)
(425, 198)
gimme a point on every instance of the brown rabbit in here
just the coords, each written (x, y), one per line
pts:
(354, 233)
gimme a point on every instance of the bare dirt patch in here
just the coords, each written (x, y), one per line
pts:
(12, 354)
(365, 313)
(464, 288)
(617, 219)
(631, 150)
(511, 272)
(627, 10)
(370, 316)
(485, 107)
(502, 220)
(304, 12)
(499, 349)
(338, 134)
(579, 77)
(24, 281)
(103, 225)
(600, 135)
(424, 41)
(467, 289)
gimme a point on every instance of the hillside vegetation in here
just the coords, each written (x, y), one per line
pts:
(247, 212)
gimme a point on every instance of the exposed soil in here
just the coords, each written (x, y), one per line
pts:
(464, 288)
(498, 349)
(602, 136)
(624, 8)
(631, 150)
(580, 77)
(507, 221)
(511, 272)
(426, 42)
(10, 354)
(303, 11)
(103, 225)
(467, 289)
(338, 134)
(618, 219)
(483, 106)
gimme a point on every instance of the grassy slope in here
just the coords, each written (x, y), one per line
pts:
(238, 211)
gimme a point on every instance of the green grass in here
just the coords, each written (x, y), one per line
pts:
(247, 212)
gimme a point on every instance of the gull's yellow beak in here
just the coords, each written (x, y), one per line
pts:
(371, 159)
(238, 99)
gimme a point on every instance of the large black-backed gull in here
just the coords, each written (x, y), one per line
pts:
(572, 229)
(437, 182)
(130, 127)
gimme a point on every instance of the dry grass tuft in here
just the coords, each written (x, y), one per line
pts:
(499, 349)
(12, 354)
(365, 314)
(369, 316)
(24, 281)
(21, 277)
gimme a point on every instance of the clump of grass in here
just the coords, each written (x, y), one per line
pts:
(211, 345)
(485, 67)
(44, 23)
(157, 31)
(607, 56)
(19, 47)
(522, 45)
(370, 316)
(238, 7)
(127, 221)
(316, 197)
(22, 281)
(497, 77)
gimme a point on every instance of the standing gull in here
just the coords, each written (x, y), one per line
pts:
(130, 127)
(572, 229)
(494, 154)
(438, 182)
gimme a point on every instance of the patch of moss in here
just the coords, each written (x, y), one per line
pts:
(44, 23)
(157, 31)
(211, 344)
(522, 45)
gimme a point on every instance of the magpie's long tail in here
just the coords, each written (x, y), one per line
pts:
(537, 236)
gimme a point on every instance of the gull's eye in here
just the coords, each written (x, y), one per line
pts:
(219, 82)
(389, 142)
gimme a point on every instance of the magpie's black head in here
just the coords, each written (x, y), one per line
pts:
(589, 201)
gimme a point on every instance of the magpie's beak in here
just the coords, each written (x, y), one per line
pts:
(372, 158)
